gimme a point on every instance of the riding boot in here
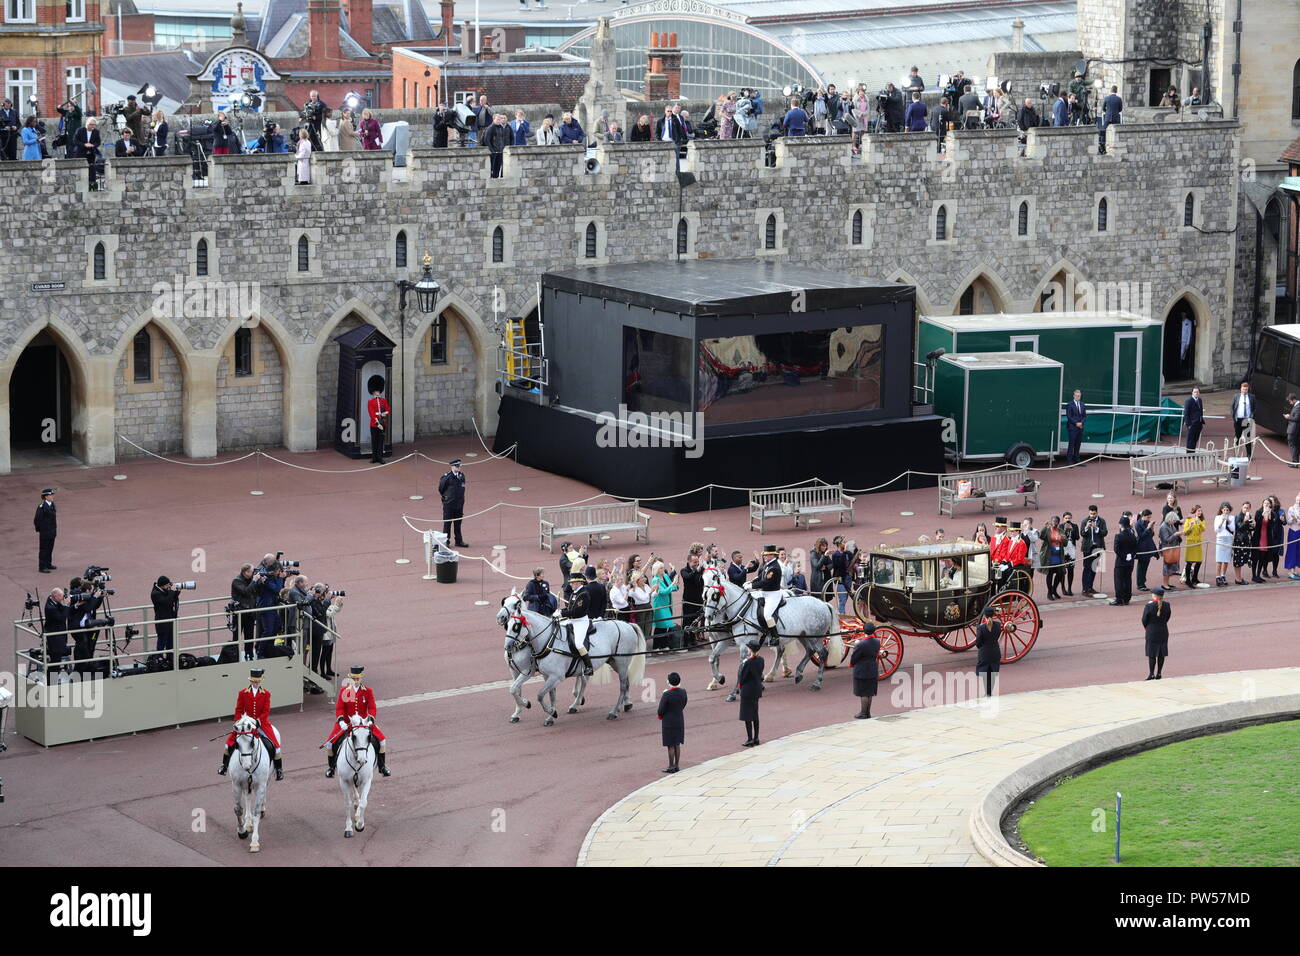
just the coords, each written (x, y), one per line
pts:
(225, 761)
(383, 765)
(333, 759)
(279, 768)
(586, 664)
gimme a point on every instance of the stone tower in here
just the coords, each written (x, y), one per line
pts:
(601, 92)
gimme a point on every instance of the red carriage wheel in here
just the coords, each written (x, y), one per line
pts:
(891, 651)
(958, 639)
(1020, 623)
(862, 603)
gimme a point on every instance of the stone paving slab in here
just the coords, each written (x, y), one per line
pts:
(883, 792)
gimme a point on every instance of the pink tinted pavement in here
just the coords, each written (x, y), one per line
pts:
(469, 788)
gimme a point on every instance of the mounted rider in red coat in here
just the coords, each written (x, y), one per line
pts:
(355, 700)
(255, 701)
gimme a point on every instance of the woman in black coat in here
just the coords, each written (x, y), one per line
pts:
(1155, 621)
(819, 567)
(988, 645)
(749, 683)
(671, 705)
(866, 669)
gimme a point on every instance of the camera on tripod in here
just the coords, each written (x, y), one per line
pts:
(1048, 91)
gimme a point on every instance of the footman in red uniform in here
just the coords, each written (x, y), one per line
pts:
(255, 701)
(356, 699)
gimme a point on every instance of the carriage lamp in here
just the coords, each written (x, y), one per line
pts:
(426, 291)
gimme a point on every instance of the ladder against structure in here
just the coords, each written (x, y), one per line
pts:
(522, 363)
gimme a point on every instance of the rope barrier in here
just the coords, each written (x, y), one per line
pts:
(192, 464)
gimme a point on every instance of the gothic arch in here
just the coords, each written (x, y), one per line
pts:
(997, 289)
(364, 311)
(1206, 333)
(484, 409)
(176, 337)
(70, 343)
(1066, 266)
(297, 387)
(923, 306)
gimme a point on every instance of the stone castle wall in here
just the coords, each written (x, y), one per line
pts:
(253, 216)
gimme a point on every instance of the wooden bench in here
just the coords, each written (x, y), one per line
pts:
(998, 487)
(1175, 467)
(591, 520)
(799, 503)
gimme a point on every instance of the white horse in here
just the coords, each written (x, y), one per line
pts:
(355, 772)
(250, 774)
(535, 643)
(732, 609)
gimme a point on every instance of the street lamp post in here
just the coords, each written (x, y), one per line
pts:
(426, 291)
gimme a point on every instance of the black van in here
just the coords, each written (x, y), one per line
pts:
(1276, 373)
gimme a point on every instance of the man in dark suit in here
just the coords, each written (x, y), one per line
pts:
(58, 614)
(1145, 532)
(737, 572)
(1112, 110)
(749, 684)
(1126, 548)
(1293, 428)
(673, 729)
(1193, 419)
(88, 143)
(692, 592)
(1243, 416)
(967, 104)
(1093, 536)
(1076, 416)
(127, 145)
(865, 662)
(1155, 622)
(451, 487)
(496, 138)
(46, 523)
(10, 123)
(1060, 111)
(672, 124)
(520, 130)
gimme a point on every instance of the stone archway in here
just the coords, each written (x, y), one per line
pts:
(327, 380)
(447, 366)
(982, 295)
(149, 399)
(252, 378)
(1181, 335)
(47, 402)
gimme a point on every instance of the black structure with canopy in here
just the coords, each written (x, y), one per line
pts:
(365, 359)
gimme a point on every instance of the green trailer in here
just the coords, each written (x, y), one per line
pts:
(1114, 358)
(1003, 405)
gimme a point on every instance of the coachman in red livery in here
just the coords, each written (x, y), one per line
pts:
(255, 701)
(355, 700)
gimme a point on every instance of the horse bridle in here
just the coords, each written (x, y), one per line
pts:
(722, 594)
(361, 761)
(523, 636)
(256, 734)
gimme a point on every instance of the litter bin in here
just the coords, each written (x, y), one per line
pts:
(1238, 471)
(445, 564)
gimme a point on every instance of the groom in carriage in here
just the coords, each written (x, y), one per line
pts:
(255, 701)
(355, 700)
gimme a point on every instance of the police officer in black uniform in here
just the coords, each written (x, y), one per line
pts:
(47, 527)
(768, 580)
(589, 601)
(452, 489)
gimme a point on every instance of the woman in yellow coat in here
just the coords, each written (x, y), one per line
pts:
(1193, 532)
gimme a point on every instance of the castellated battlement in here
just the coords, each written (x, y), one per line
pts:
(324, 256)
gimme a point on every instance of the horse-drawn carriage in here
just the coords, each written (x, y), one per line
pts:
(940, 591)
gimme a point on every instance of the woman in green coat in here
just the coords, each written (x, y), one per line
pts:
(662, 586)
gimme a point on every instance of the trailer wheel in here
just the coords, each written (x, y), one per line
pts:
(1020, 455)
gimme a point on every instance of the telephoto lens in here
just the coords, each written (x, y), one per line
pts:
(339, 593)
(186, 585)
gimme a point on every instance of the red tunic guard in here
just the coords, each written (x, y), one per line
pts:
(255, 703)
(355, 701)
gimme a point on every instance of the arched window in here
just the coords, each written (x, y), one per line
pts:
(400, 251)
(941, 224)
(590, 245)
(438, 340)
(201, 258)
(1022, 220)
(1189, 210)
(100, 263)
(1101, 214)
(243, 353)
(769, 232)
(304, 254)
(857, 227)
(683, 237)
(1295, 91)
(142, 357)
(498, 245)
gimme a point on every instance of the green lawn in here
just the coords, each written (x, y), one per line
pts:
(1227, 800)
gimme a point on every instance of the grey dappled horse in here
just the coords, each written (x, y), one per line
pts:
(733, 609)
(536, 643)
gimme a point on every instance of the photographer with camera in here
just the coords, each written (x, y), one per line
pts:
(296, 600)
(889, 103)
(86, 595)
(326, 605)
(57, 617)
(243, 595)
(270, 141)
(166, 600)
(134, 116)
(269, 578)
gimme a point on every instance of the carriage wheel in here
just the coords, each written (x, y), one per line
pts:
(1020, 623)
(862, 605)
(891, 651)
(957, 640)
(828, 591)
(1020, 580)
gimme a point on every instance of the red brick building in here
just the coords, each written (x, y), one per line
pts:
(423, 77)
(50, 49)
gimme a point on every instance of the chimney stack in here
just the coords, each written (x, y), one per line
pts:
(656, 82)
(670, 56)
(1018, 35)
(323, 29)
(361, 22)
(448, 10)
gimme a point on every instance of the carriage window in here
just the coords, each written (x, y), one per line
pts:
(886, 572)
(951, 573)
(977, 570)
(920, 575)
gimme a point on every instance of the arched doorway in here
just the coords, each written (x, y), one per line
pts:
(1059, 294)
(446, 377)
(1180, 342)
(980, 297)
(44, 398)
(149, 395)
(250, 391)
(327, 384)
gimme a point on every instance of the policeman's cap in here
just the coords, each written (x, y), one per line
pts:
(455, 463)
(47, 491)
